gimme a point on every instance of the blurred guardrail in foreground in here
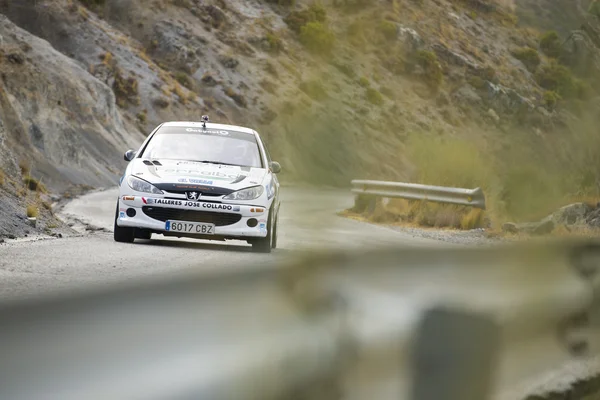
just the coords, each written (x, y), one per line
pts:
(408, 323)
(412, 191)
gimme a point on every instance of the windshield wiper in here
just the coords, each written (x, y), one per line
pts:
(216, 162)
(209, 162)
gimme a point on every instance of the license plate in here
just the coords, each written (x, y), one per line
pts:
(190, 227)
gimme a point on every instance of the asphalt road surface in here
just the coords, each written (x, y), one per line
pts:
(308, 221)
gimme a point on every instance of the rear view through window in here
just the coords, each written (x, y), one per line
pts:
(210, 145)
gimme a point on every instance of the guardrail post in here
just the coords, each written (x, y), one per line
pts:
(364, 202)
(454, 356)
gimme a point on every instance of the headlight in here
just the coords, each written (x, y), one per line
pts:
(251, 193)
(140, 185)
(270, 189)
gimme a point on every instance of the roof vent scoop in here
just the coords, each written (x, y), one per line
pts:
(204, 121)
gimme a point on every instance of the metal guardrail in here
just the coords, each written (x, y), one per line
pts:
(413, 191)
(409, 323)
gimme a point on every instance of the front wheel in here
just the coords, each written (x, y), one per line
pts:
(123, 234)
(264, 245)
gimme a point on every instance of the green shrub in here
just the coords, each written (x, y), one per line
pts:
(550, 99)
(550, 44)
(317, 38)
(374, 97)
(317, 12)
(314, 89)
(595, 8)
(34, 185)
(298, 19)
(558, 78)
(238, 98)
(185, 80)
(364, 81)
(275, 43)
(32, 211)
(388, 29)
(430, 64)
(2, 178)
(125, 89)
(529, 57)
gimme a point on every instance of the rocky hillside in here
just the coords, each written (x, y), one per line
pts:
(339, 88)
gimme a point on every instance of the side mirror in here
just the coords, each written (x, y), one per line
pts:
(129, 155)
(275, 167)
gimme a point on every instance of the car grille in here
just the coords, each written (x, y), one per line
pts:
(217, 218)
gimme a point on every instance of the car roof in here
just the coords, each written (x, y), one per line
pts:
(210, 125)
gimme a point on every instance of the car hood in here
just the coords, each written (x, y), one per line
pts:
(233, 177)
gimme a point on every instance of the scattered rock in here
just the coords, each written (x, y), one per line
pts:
(229, 62)
(510, 227)
(573, 214)
(493, 115)
(454, 58)
(410, 38)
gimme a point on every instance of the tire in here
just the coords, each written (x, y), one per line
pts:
(143, 234)
(123, 234)
(264, 245)
(275, 236)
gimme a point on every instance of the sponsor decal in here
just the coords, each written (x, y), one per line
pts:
(215, 175)
(263, 227)
(129, 198)
(192, 195)
(121, 215)
(195, 181)
(214, 206)
(222, 133)
(191, 204)
(201, 181)
(168, 202)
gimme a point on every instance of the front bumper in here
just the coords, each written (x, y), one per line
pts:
(239, 229)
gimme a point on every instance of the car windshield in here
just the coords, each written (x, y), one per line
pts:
(204, 145)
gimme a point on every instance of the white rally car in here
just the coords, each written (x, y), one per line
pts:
(200, 180)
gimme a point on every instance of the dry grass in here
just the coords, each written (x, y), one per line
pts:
(425, 214)
(25, 167)
(34, 185)
(32, 211)
(178, 90)
(2, 178)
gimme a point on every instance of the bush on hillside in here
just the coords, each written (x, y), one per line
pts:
(125, 89)
(433, 70)
(374, 97)
(550, 99)
(317, 38)
(296, 20)
(595, 8)
(529, 57)
(388, 29)
(550, 44)
(314, 89)
(558, 78)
